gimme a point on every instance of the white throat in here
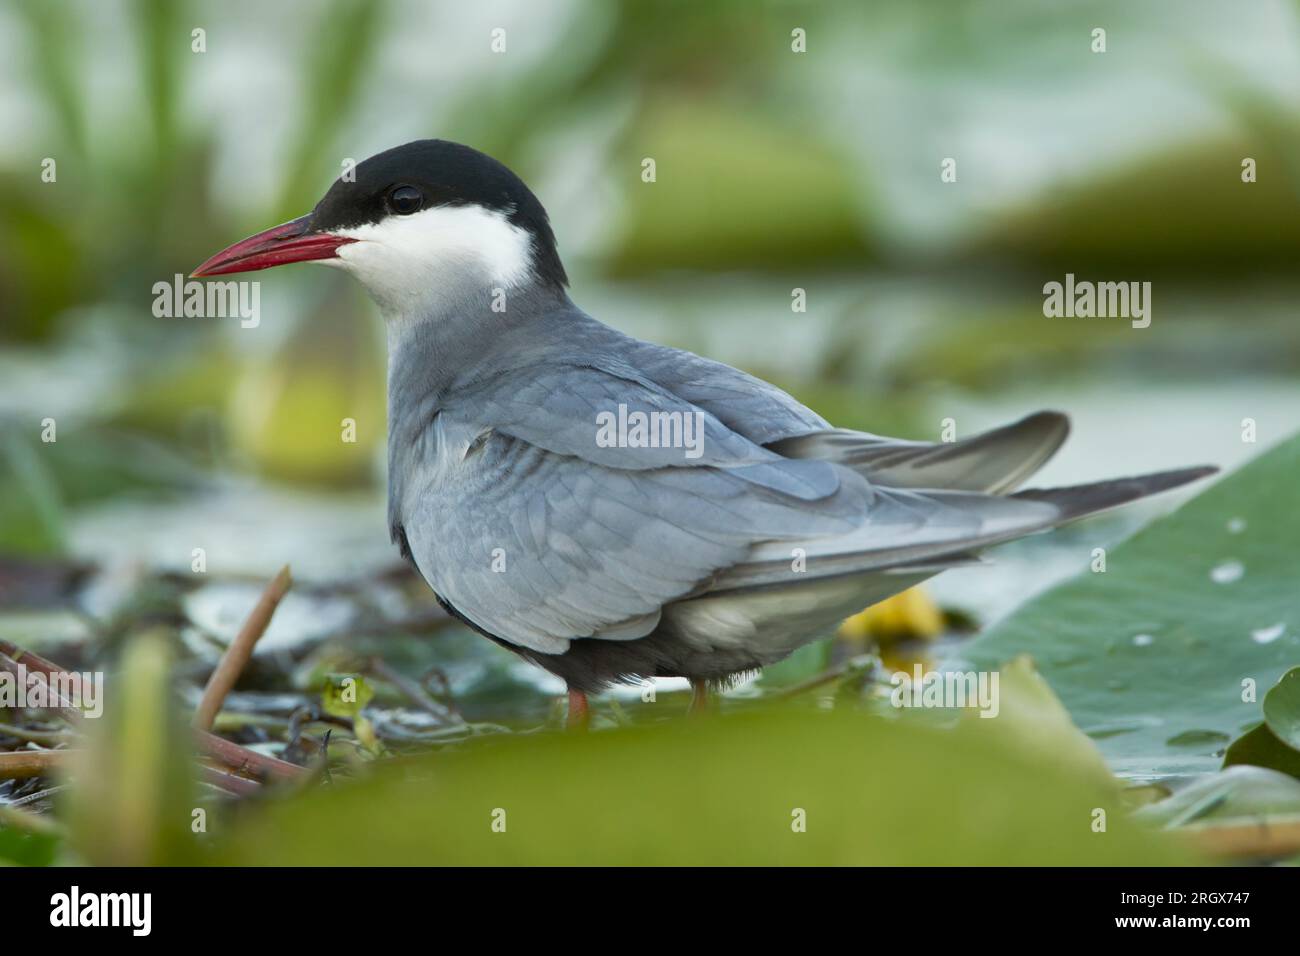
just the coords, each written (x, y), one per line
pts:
(427, 263)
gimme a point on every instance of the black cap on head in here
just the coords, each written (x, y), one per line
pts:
(435, 172)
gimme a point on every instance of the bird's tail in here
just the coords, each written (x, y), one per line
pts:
(770, 611)
(931, 529)
(1079, 501)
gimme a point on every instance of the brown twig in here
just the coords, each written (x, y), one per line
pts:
(21, 764)
(17, 663)
(32, 661)
(241, 758)
(230, 782)
(414, 692)
(1265, 840)
(232, 662)
(231, 754)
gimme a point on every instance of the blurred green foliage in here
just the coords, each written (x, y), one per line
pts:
(871, 791)
(40, 481)
(134, 799)
(799, 167)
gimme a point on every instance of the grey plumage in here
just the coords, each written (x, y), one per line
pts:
(617, 563)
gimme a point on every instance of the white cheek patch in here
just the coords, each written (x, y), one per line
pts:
(410, 261)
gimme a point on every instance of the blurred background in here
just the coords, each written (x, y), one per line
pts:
(775, 170)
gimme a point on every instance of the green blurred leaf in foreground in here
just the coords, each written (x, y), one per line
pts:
(1041, 726)
(733, 790)
(1153, 658)
(132, 800)
(26, 847)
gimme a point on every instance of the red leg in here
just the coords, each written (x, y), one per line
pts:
(579, 711)
(699, 699)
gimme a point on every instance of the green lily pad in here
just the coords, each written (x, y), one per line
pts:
(1235, 794)
(1282, 709)
(1259, 747)
(780, 786)
(1159, 658)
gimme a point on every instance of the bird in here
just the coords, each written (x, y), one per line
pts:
(611, 509)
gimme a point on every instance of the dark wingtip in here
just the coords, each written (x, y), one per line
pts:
(1048, 414)
(1160, 481)
(1046, 422)
(1077, 501)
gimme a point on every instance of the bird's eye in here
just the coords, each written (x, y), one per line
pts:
(405, 200)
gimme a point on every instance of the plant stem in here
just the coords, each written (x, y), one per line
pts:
(26, 820)
(232, 662)
(21, 764)
(241, 758)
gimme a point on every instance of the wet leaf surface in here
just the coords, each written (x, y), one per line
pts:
(1152, 657)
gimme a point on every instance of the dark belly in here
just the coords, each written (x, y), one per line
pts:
(590, 665)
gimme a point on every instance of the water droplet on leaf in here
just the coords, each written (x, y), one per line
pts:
(1267, 635)
(1227, 572)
